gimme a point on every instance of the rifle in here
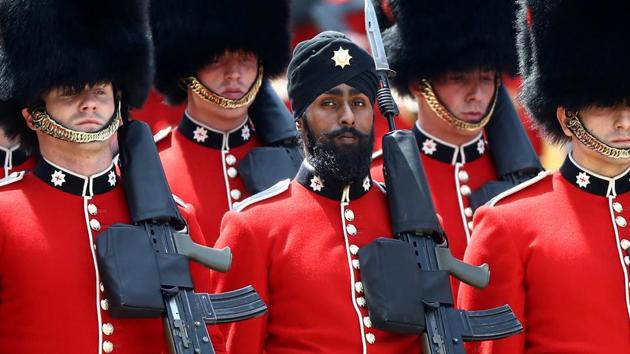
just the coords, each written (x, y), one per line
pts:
(145, 265)
(513, 155)
(419, 260)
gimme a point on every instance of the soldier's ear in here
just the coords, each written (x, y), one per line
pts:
(414, 88)
(26, 114)
(561, 116)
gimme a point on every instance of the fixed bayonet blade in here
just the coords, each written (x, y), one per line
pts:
(374, 37)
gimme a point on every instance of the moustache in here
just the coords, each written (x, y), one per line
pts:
(346, 130)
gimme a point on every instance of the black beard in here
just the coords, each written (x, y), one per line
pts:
(346, 163)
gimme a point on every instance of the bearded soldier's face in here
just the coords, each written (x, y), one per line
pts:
(337, 133)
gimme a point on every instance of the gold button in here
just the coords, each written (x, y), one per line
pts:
(108, 329)
(361, 301)
(468, 212)
(94, 246)
(108, 346)
(367, 322)
(351, 229)
(618, 207)
(358, 287)
(356, 264)
(465, 190)
(232, 172)
(621, 221)
(348, 214)
(625, 244)
(354, 249)
(626, 259)
(230, 159)
(101, 286)
(235, 194)
(370, 337)
(104, 304)
(463, 176)
(470, 225)
(92, 209)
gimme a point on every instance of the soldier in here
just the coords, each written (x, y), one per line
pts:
(451, 62)
(304, 263)
(559, 245)
(74, 68)
(214, 55)
(16, 149)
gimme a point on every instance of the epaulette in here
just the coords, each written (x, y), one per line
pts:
(162, 134)
(541, 175)
(12, 178)
(272, 191)
(377, 154)
(179, 201)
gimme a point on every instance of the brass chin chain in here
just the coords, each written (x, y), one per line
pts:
(207, 95)
(43, 122)
(436, 106)
(577, 128)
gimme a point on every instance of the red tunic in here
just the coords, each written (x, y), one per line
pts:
(15, 159)
(453, 172)
(558, 255)
(51, 297)
(201, 167)
(297, 243)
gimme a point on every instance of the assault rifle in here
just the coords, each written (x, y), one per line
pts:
(144, 266)
(406, 280)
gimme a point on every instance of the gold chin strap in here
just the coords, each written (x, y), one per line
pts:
(43, 122)
(207, 95)
(577, 128)
(436, 106)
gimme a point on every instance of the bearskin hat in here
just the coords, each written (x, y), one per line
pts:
(188, 34)
(53, 43)
(433, 37)
(573, 53)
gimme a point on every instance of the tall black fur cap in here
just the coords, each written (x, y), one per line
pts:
(573, 53)
(188, 34)
(433, 37)
(52, 43)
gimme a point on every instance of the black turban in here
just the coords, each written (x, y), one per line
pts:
(325, 61)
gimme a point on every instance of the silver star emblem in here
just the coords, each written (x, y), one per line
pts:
(317, 183)
(58, 178)
(341, 57)
(245, 133)
(111, 178)
(200, 134)
(481, 146)
(366, 184)
(582, 179)
(429, 146)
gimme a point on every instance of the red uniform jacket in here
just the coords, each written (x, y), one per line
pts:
(14, 159)
(297, 243)
(557, 247)
(51, 297)
(201, 167)
(453, 173)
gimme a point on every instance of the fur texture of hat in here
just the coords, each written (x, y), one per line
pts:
(52, 43)
(188, 34)
(434, 37)
(574, 54)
